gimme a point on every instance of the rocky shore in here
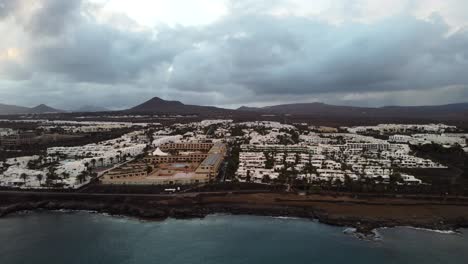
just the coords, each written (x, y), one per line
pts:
(345, 212)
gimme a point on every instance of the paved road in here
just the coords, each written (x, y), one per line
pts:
(165, 195)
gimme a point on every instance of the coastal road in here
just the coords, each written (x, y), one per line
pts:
(281, 198)
(81, 194)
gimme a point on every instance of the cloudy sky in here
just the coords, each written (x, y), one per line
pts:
(118, 53)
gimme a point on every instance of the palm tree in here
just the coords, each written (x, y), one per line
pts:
(39, 178)
(338, 184)
(149, 169)
(102, 161)
(51, 175)
(24, 176)
(111, 160)
(81, 177)
(65, 175)
(40, 159)
(297, 159)
(93, 161)
(31, 164)
(348, 182)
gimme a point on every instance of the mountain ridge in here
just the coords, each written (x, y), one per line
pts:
(357, 111)
(44, 109)
(158, 105)
(90, 109)
(6, 109)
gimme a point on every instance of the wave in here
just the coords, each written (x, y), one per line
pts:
(447, 232)
(286, 217)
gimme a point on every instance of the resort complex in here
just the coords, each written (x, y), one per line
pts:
(219, 150)
(183, 163)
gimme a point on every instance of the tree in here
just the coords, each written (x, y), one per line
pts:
(24, 176)
(39, 178)
(338, 184)
(32, 164)
(348, 182)
(82, 177)
(51, 175)
(297, 158)
(41, 159)
(295, 137)
(379, 179)
(395, 178)
(309, 168)
(65, 175)
(149, 169)
(237, 131)
(248, 178)
(270, 161)
(93, 161)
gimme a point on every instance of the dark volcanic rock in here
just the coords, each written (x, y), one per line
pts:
(186, 208)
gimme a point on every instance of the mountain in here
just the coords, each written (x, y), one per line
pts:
(12, 109)
(321, 109)
(90, 109)
(158, 105)
(308, 109)
(44, 109)
(248, 108)
(20, 110)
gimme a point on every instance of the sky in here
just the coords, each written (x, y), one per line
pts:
(228, 53)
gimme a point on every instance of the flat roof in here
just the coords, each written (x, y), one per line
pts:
(212, 159)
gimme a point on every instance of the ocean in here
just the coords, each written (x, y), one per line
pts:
(88, 238)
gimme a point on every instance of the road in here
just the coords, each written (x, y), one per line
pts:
(80, 194)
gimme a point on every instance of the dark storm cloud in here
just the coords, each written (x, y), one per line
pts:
(244, 57)
(80, 49)
(297, 55)
(102, 54)
(53, 16)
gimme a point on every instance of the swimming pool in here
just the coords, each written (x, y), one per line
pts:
(180, 165)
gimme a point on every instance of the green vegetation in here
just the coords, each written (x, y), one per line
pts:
(236, 131)
(233, 160)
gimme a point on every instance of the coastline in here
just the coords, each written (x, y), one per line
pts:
(365, 215)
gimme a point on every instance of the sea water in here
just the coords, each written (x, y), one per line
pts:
(87, 238)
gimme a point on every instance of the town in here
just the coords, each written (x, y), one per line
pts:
(53, 154)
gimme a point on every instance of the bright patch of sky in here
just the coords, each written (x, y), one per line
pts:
(204, 12)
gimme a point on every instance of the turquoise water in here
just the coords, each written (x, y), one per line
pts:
(55, 237)
(180, 165)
